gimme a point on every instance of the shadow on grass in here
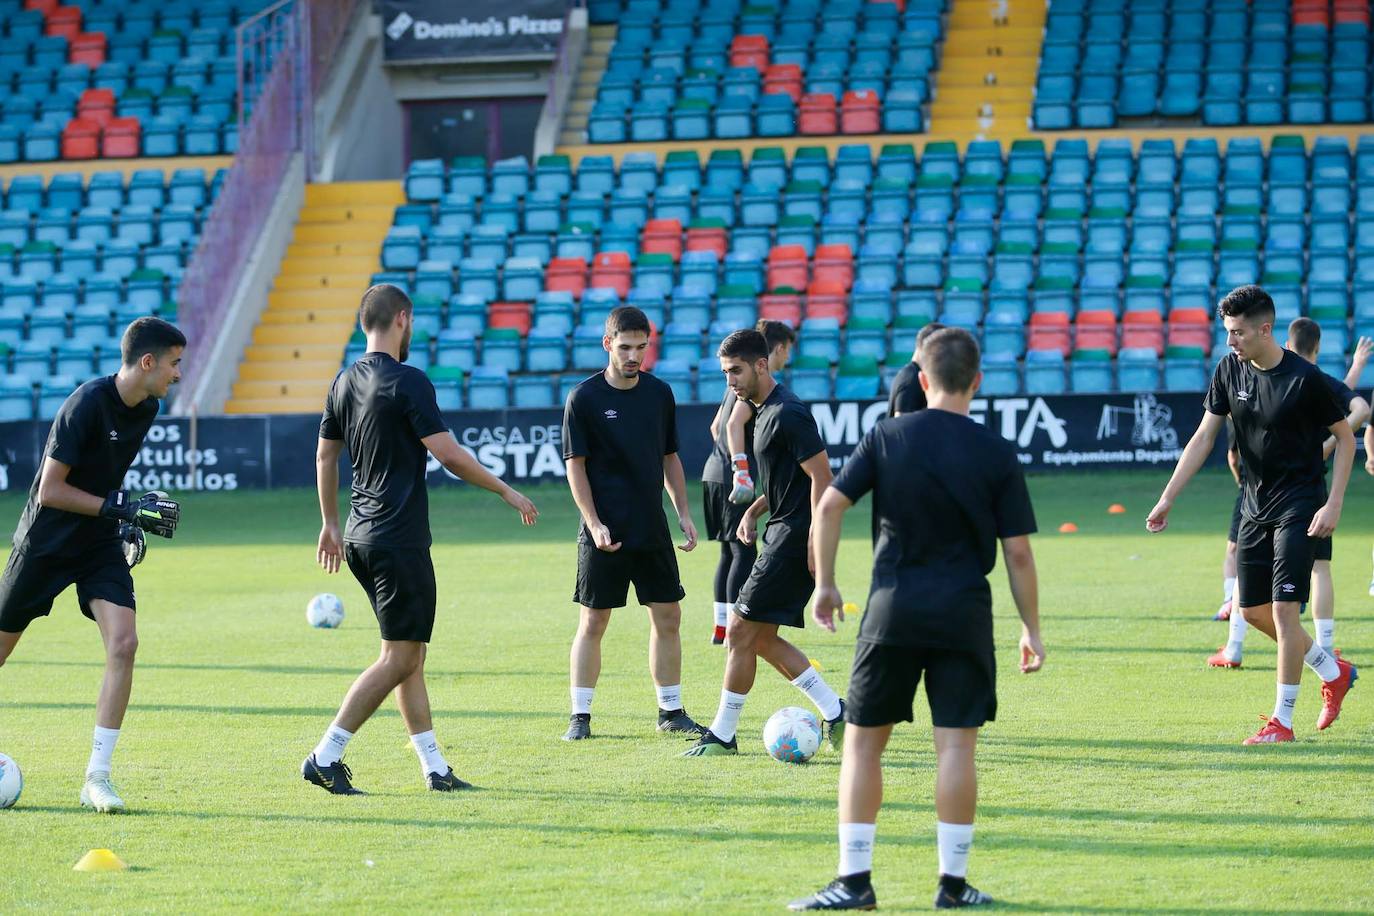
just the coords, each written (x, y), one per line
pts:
(279, 669)
(287, 711)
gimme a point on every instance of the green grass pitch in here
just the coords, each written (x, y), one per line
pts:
(1113, 781)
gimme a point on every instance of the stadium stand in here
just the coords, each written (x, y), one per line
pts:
(1080, 270)
(80, 257)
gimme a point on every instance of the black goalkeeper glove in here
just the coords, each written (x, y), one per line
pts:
(135, 547)
(152, 512)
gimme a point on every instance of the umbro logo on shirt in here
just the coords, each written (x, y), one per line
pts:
(1242, 395)
(611, 415)
(114, 435)
(1288, 587)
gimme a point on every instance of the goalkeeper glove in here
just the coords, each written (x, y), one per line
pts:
(152, 512)
(134, 545)
(743, 489)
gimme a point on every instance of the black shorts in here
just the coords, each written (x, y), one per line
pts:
(400, 585)
(722, 516)
(961, 687)
(1235, 517)
(31, 583)
(777, 590)
(1321, 549)
(603, 579)
(1273, 562)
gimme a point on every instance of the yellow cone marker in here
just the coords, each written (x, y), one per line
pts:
(851, 608)
(815, 664)
(100, 860)
(1068, 528)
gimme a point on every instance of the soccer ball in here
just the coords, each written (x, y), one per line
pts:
(792, 735)
(11, 782)
(324, 611)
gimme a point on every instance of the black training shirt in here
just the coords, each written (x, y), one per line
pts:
(718, 467)
(1281, 417)
(906, 395)
(98, 436)
(382, 409)
(624, 435)
(785, 435)
(945, 489)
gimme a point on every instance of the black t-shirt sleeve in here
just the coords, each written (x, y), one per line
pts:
(1322, 402)
(72, 428)
(907, 395)
(670, 422)
(574, 431)
(330, 428)
(422, 406)
(803, 439)
(1015, 516)
(860, 472)
(1218, 399)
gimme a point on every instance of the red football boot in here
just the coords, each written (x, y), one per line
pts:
(1334, 691)
(1273, 732)
(1218, 659)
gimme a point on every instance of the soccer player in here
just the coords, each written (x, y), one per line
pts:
(386, 414)
(1282, 410)
(945, 490)
(1304, 339)
(727, 481)
(906, 394)
(80, 528)
(620, 448)
(795, 471)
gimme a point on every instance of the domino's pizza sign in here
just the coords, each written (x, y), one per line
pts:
(439, 30)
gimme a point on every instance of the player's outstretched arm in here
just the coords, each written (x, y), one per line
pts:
(1329, 515)
(1025, 591)
(675, 482)
(1189, 463)
(459, 462)
(581, 489)
(1369, 449)
(826, 523)
(1358, 360)
(329, 552)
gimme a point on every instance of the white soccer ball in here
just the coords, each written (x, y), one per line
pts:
(792, 735)
(325, 611)
(11, 782)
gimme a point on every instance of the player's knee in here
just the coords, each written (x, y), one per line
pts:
(741, 635)
(594, 623)
(123, 647)
(1258, 614)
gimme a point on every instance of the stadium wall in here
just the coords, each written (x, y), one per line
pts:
(256, 452)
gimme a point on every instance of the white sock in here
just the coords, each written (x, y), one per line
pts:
(725, 723)
(427, 748)
(1283, 705)
(953, 842)
(1322, 662)
(331, 748)
(669, 698)
(582, 700)
(856, 848)
(1228, 588)
(722, 613)
(818, 692)
(1235, 638)
(1326, 633)
(102, 750)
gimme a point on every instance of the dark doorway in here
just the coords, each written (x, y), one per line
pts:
(490, 128)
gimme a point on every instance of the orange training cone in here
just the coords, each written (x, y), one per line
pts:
(1068, 528)
(1116, 509)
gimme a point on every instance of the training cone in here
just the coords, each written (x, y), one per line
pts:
(851, 608)
(1116, 509)
(100, 860)
(815, 664)
(1068, 528)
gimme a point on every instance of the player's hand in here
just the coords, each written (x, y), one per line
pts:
(748, 529)
(742, 489)
(1369, 467)
(601, 537)
(827, 607)
(688, 528)
(1324, 522)
(329, 553)
(1032, 652)
(135, 547)
(1158, 519)
(154, 512)
(522, 504)
(1364, 347)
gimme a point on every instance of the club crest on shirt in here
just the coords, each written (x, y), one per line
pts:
(611, 414)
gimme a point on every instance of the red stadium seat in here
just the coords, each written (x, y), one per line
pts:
(81, 139)
(64, 21)
(711, 238)
(120, 139)
(88, 48)
(510, 315)
(787, 268)
(783, 78)
(827, 299)
(611, 270)
(818, 114)
(1050, 331)
(835, 263)
(785, 307)
(1143, 329)
(662, 236)
(749, 51)
(96, 105)
(566, 275)
(860, 112)
(44, 6)
(1188, 327)
(1096, 330)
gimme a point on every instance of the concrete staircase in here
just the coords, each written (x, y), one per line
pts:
(985, 86)
(600, 38)
(312, 310)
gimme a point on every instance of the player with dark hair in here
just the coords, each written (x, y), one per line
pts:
(387, 415)
(1304, 339)
(795, 471)
(906, 394)
(81, 528)
(725, 496)
(945, 490)
(1282, 411)
(620, 448)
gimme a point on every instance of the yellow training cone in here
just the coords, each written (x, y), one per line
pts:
(815, 664)
(851, 608)
(100, 860)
